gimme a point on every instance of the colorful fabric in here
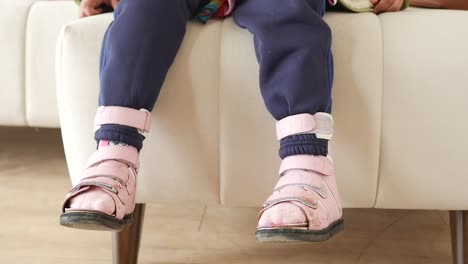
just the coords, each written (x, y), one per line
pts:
(223, 8)
(215, 8)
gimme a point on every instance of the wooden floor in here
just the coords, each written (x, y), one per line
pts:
(33, 181)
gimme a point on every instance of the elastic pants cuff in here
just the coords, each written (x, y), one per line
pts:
(119, 133)
(303, 144)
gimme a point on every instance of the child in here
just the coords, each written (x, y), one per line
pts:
(296, 77)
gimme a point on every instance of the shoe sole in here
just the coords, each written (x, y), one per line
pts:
(283, 235)
(93, 221)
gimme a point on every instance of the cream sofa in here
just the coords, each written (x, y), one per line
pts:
(28, 33)
(400, 104)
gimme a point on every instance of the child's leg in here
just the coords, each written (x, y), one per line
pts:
(139, 48)
(293, 47)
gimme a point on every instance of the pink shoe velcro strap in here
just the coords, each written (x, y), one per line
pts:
(318, 164)
(128, 155)
(119, 174)
(140, 119)
(297, 195)
(320, 124)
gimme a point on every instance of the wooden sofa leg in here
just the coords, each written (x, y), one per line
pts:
(459, 234)
(126, 243)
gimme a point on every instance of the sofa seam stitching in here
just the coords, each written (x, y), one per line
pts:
(220, 179)
(379, 164)
(25, 60)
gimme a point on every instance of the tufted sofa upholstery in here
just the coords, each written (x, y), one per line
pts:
(400, 105)
(28, 33)
(400, 98)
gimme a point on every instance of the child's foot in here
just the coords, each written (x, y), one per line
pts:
(95, 199)
(305, 205)
(104, 198)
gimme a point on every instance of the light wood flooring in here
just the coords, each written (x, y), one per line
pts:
(33, 181)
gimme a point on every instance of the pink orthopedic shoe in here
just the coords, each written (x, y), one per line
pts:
(305, 204)
(111, 170)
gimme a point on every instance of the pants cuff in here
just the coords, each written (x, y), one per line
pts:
(119, 133)
(305, 144)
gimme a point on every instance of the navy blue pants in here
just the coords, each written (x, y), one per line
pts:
(292, 44)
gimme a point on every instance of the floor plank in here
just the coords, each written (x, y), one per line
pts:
(33, 176)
